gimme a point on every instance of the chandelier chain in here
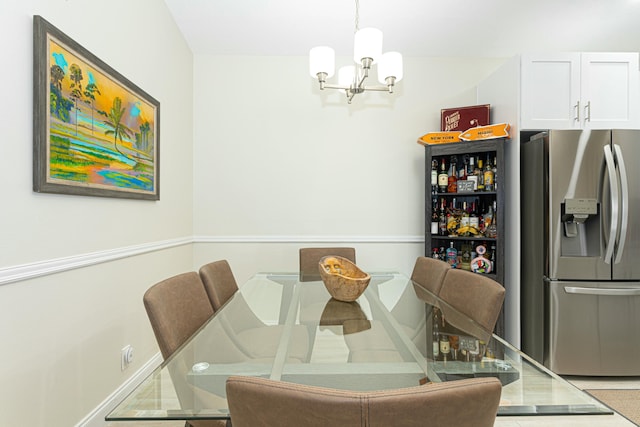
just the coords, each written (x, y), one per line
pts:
(357, 23)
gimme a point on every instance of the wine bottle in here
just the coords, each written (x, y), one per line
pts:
(434, 176)
(435, 219)
(452, 179)
(443, 178)
(488, 176)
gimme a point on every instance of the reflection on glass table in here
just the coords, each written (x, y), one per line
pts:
(397, 334)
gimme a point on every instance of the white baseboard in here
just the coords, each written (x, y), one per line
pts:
(96, 417)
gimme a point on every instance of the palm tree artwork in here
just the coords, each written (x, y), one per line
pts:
(102, 131)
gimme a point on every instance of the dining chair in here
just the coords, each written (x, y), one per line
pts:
(262, 402)
(177, 307)
(250, 334)
(310, 257)
(429, 273)
(471, 294)
(474, 295)
(219, 282)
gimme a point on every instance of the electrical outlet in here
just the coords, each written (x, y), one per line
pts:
(126, 357)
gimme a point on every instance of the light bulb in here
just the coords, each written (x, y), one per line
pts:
(322, 59)
(390, 66)
(367, 44)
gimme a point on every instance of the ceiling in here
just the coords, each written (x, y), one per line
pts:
(465, 28)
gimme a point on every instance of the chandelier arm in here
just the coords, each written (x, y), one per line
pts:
(330, 86)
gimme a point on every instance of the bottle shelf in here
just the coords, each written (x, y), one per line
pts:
(477, 203)
(464, 194)
(462, 238)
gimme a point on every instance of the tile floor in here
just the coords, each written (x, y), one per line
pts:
(583, 383)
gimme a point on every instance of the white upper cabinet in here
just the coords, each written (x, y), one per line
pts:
(580, 90)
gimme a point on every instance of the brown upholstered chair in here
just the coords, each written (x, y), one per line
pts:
(474, 295)
(250, 334)
(219, 282)
(261, 402)
(177, 307)
(429, 273)
(309, 258)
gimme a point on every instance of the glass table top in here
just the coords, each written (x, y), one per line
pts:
(396, 334)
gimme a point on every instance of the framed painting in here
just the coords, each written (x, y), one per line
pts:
(95, 132)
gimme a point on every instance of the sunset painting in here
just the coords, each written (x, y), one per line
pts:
(101, 130)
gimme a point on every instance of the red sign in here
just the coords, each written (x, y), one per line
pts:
(463, 118)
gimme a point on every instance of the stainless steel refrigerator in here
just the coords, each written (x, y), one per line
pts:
(580, 284)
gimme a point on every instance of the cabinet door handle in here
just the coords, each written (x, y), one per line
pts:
(577, 107)
(587, 112)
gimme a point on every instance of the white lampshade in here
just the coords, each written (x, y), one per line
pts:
(367, 44)
(346, 75)
(390, 66)
(322, 59)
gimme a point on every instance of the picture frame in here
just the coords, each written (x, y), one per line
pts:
(95, 133)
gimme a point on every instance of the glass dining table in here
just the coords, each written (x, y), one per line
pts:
(396, 334)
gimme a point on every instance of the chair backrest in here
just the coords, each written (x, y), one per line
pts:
(429, 273)
(474, 295)
(218, 282)
(261, 402)
(177, 307)
(310, 257)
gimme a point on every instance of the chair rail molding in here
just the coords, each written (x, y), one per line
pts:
(42, 268)
(308, 239)
(33, 270)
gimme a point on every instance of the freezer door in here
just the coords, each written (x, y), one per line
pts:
(579, 205)
(626, 261)
(593, 328)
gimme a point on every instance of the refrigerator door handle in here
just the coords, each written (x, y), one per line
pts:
(624, 203)
(602, 291)
(613, 188)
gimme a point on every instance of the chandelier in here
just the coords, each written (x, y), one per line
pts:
(367, 51)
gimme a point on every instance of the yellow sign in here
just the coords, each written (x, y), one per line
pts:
(439, 138)
(500, 130)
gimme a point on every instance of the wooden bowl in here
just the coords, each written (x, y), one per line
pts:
(342, 278)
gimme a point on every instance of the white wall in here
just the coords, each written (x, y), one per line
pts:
(61, 334)
(252, 152)
(280, 164)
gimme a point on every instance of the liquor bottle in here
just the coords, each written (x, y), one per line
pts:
(442, 219)
(463, 171)
(471, 176)
(452, 179)
(434, 177)
(454, 340)
(435, 219)
(463, 230)
(434, 253)
(495, 173)
(443, 178)
(452, 220)
(492, 230)
(478, 171)
(452, 256)
(465, 258)
(445, 347)
(474, 220)
(488, 176)
(487, 216)
(435, 337)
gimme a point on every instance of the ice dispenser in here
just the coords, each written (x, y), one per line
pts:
(581, 227)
